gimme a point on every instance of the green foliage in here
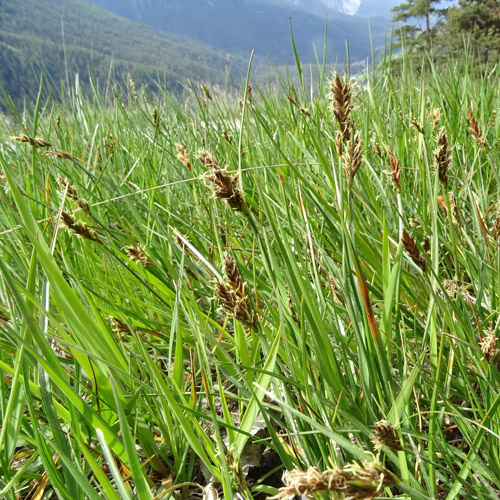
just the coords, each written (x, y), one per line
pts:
(368, 264)
(479, 22)
(475, 21)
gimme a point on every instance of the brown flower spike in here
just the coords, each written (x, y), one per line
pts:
(34, 142)
(340, 102)
(395, 170)
(353, 157)
(355, 482)
(78, 228)
(442, 156)
(225, 186)
(385, 434)
(475, 130)
(411, 247)
(72, 193)
(233, 295)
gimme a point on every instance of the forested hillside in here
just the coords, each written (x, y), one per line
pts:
(62, 38)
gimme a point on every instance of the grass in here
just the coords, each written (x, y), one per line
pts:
(201, 294)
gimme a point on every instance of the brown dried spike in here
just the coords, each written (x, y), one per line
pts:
(205, 90)
(183, 157)
(340, 99)
(442, 156)
(416, 125)
(489, 346)
(208, 159)
(356, 482)
(475, 130)
(395, 169)
(226, 188)
(138, 254)
(233, 276)
(353, 157)
(34, 142)
(72, 193)
(411, 247)
(78, 228)
(225, 296)
(385, 435)
(241, 306)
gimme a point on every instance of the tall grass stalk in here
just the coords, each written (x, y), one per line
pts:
(202, 293)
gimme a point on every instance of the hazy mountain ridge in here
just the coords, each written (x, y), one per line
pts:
(239, 26)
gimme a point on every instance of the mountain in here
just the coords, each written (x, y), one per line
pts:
(65, 37)
(238, 26)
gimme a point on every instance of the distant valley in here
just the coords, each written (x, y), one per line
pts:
(240, 26)
(169, 41)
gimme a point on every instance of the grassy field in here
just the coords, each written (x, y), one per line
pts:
(197, 296)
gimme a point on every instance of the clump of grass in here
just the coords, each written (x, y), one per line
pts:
(119, 368)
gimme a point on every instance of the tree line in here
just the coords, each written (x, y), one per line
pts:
(443, 28)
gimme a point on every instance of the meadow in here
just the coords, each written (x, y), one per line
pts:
(197, 295)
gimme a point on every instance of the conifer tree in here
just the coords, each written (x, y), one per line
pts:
(417, 9)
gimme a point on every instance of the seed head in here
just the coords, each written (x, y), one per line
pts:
(233, 295)
(340, 104)
(183, 157)
(132, 89)
(411, 247)
(78, 228)
(356, 482)
(34, 142)
(395, 170)
(72, 193)
(385, 435)
(416, 125)
(208, 159)
(442, 156)
(353, 157)
(475, 130)
(489, 346)
(205, 90)
(138, 254)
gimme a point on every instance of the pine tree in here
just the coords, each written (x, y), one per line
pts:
(417, 9)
